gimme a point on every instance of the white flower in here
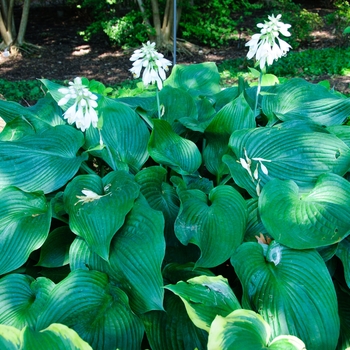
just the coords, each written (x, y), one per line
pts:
(82, 112)
(89, 196)
(154, 63)
(268, 46)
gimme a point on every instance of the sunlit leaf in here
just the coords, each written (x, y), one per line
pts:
(45, 161)
(22, 299)
(299, 99)
(205, 297)
(292, 290)
(306, 220)
(10, 337)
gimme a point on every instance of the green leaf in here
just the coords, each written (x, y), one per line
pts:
(123, 132)
(202, 79)
(288, 151)
(298, 99)
(16, 129)
(292, 290)
(177, 103)
(116, 194)
(55, 337)
(136, 255)
(168, 148)
(310, 220)
(55, 250)
(10, 338)
(45, 161)
(25, 220)
(96, 309)
(205, 297)
(23, 299)
(255, 226)
(343, 295)
(241, 329)
(245, 329)
(235, 115)
(216, 223)
(172, 329)
(343, 253)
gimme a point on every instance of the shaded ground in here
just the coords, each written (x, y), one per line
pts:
(64, 55)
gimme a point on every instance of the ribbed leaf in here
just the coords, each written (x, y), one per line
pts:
(124, 133)
(205, 297)
(289, 151)
(45, 161)
(10, 338)
(16, 129)
(22, 299)
(168, 148)
(343, 253)
(172, 329)
(136, 255)
(310, 220)
(106, 214)
(236, 115)
(25, 220)
(255, 226)
(343, 295)
(177, 104)
(292, 290)
(202, 79)
(216, 223)
(55, 250)
(299, 99)
(241, 329)
(55, 337)
(245, 329)
(97, 310)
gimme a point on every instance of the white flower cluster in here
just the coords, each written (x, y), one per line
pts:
(82, 112)
(154, 63)
(247, 163)
(264, 46)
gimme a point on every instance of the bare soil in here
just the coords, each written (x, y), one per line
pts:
(63, 54)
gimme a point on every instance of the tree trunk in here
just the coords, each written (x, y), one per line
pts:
(156, 22)
(24, 22)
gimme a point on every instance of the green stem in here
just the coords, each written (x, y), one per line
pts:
(257, 94)
(86, 168)
(158, 104)
(108, 151)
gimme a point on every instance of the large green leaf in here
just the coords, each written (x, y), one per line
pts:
(343, 295)
(177, 104)
(123, 132)
(96, 309)
(205, 297)
(168, 148)
(235, 115)
(25, 220)
(202, 79)
(245, 329)
(22, 299)
(309, 220)
(45, 161)
(136, 255)
(343, 253)
(98, 219)
(172, 329)
(55, 337)
(215, 223)
(292, 290)
(299, 99)
(10, 338)
(288, 151)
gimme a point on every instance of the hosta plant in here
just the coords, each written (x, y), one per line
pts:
(179, 219)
